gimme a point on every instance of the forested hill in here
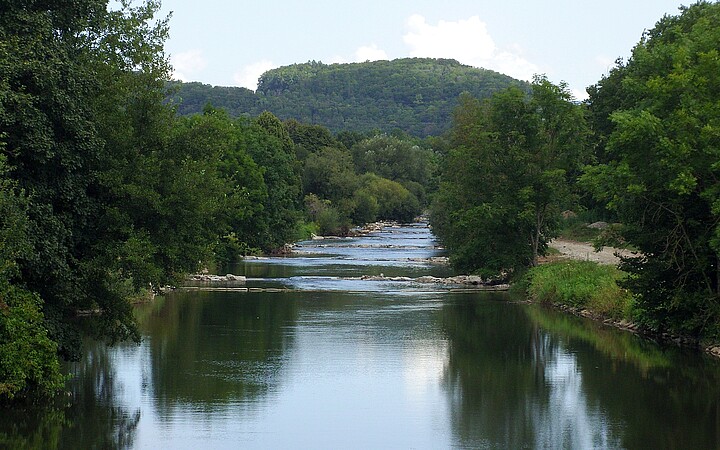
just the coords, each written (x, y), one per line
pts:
(414, 95)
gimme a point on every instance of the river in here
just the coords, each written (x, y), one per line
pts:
(307, 354)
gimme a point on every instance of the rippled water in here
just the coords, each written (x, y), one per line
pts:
(309, 355)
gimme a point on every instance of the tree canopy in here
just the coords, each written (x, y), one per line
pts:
(658, 124)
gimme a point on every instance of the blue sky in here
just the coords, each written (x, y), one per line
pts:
(230, 43)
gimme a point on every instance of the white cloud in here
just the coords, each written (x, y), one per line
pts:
(370, 53)
(187, 64)
(467, 41)
(248, 76)
(580, 95)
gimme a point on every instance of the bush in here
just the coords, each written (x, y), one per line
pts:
(305, 230)
(394, 201)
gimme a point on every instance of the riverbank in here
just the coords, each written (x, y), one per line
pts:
(584, 283)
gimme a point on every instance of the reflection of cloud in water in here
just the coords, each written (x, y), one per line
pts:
(568, 418)
(424, 364)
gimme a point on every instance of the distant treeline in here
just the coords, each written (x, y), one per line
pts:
(414, 95)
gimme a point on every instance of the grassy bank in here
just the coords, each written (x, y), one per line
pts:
(590, 289)
(582, 285)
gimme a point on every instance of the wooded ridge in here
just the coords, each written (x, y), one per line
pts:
(415, 95)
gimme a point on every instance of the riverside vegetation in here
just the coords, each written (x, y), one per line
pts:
(107, 194)
(642, 151)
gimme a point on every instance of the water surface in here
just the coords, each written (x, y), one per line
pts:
(325, 359)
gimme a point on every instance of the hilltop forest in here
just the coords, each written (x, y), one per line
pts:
(115, 182)
(414, 95)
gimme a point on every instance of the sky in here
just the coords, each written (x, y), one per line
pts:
(232, 42)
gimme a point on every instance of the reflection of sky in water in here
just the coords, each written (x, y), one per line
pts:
(568, 418)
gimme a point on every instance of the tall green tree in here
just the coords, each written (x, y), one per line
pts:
(85, 132)
(267, 141)
(659, 121)
(508, 173)
(329, 173)
(309, 138)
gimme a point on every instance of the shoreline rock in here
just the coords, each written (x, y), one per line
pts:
(206, 278)
(710, 348)
(460, 280)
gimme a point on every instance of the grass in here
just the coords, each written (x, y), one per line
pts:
(581, 284)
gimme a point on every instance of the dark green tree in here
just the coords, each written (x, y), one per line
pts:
(508, 173)
(267, 141)
(28, 357)
(658, 119)
(66, 77)
(329, 173)
(309, 138)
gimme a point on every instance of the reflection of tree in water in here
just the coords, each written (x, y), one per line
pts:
(96, 420)
(211, 349)
(521, 376)
(92, 418)
(664, 398)
(510, 385)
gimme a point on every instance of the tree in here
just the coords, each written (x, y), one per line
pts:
(28, 357)
(69, 73)
(399, 159)
(309, 138)
(658, 118)
(394, 202)
(268, 143)
(329, 173)
(507, 175)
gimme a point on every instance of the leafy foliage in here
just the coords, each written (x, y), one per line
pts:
(507, 176)
(658, 117)
(28, 362)
(268, 143)
(191, 98)
(394, 202)
(330, 174)
(81, 91)
(397, 159)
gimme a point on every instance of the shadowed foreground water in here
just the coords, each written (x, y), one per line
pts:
(332, 361)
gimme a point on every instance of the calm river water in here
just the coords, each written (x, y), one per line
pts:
(319, 358)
